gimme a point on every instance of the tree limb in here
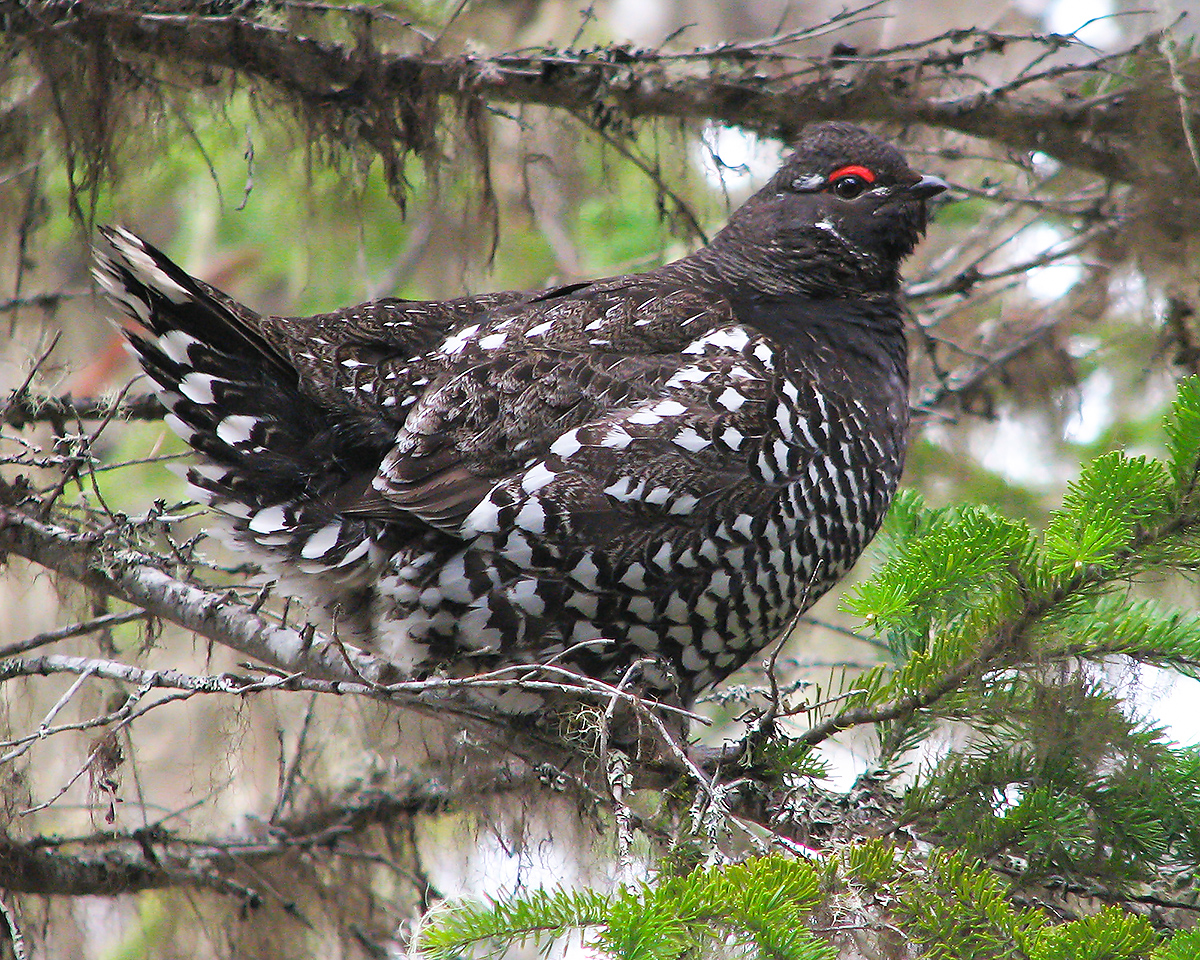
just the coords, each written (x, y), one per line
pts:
(152, 858)
(90, 560)
(389, 100)
(23, 408)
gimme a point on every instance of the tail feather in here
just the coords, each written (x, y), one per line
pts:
(267, 461)
(171, 303)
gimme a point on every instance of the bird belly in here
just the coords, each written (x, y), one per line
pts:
(706, 607)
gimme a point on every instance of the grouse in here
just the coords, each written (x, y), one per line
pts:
(665, 466)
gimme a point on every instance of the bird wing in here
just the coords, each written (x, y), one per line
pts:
(469, 430)
(588, 444)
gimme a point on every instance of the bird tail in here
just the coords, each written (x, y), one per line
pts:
(235, 398)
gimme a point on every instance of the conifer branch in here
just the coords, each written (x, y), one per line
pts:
(394, 95)
(91, 560)
(989, 656)
(23, 408)
(1114, 518)
(152, 857)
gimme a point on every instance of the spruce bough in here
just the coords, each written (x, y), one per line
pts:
(1056, 783)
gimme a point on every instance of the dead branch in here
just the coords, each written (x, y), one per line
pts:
(23, 408)
(388, 101)
(92, 561)
(151, 857)
(73, 630)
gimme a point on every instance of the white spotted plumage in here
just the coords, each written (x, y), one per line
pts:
(674, 462)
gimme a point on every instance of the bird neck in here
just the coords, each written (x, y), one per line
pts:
(815, 265)
(823, 303)
(865, 331)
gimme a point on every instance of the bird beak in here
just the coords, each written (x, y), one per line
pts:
(928, 187)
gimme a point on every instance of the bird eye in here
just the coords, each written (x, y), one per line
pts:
(849, 187)
(849, 182)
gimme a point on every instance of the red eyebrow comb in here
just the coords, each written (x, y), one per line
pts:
(854, 170)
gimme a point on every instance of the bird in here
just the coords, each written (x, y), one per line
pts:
(651, 473)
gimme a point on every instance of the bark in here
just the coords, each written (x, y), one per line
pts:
(90, 560)
(389, 100)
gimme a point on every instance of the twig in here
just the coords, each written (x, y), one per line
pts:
(966, 280)
(1179, 87)
(17, 395)
(102, 744)
(961, 383)
(14, 931)
(74, 630)
(44, 726)
(288, 774)
(43, 301)
(24, 408)
(681, 205)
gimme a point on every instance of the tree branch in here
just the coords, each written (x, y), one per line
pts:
(92, 561)
(151, 858)
(1010, 635)
(389, 100)
(23, 408)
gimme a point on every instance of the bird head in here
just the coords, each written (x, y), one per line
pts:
(841, 213)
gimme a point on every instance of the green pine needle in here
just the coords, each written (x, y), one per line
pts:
(1182, 946)
(1109, 935)
(762, 904)
(1183, 439)
(539, 915)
